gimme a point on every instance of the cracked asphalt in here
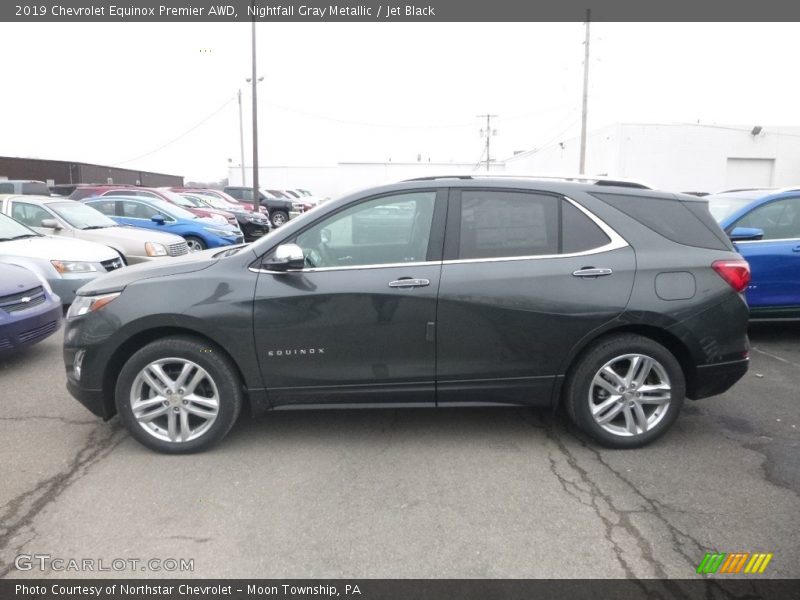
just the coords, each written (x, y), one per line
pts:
(495, 493)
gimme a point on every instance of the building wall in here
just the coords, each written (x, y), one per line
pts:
(677, 157)
(64, 172)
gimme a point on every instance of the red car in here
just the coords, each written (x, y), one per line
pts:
(92, 191)
(248, 206)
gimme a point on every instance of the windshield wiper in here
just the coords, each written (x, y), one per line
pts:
(24, 235)
(94, 227)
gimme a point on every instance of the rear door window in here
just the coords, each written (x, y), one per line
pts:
(498, 224)
(503, 224)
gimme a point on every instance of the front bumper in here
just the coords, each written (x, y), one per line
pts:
(66, 287)
(711, 380)
(31, 326)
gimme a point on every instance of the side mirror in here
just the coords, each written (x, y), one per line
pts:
(741, 234)
(158, 219)
(286, 257)
(51, 224)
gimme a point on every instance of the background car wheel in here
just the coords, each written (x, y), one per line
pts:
(625, 391)
(195, 243)
(178, 395)
(278, 218)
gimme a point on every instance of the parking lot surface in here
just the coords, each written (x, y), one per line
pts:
(496, 493)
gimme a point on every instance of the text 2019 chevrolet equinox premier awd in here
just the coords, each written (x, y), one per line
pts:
(614, 301)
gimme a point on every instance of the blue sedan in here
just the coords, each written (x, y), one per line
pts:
(151, 213)
(765, 228)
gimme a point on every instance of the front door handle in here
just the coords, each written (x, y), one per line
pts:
(796, 249)
(592, 272)
(409, 283)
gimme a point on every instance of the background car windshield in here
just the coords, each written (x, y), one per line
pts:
(177, 199)
(215, 202)
(9, 229)
(80, 215)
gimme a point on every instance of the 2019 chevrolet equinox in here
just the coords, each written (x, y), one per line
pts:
(614, 301)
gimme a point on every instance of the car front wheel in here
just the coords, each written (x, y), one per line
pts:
(278, 218)
(178, 395)
(625, 391)
(195, 244)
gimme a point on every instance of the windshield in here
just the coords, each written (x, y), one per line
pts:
(11, 229)
(217, 202)
(278, 194)
(193, 201)
(177, 199)
(81, 216)
(724, 205)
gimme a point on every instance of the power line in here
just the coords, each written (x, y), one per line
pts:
(181, 136)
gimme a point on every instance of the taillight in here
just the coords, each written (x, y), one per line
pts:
(735, 272)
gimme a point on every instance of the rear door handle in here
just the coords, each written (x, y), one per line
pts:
(592, 272)
(409, 283)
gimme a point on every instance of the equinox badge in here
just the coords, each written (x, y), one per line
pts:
(296, 352)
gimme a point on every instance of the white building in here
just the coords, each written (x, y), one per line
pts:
(677, 158)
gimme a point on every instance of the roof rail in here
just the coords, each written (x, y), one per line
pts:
(598, 180)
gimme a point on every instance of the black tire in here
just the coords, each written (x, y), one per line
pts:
(578, 403)
(217, 365)
(278, 218)
(195, 243)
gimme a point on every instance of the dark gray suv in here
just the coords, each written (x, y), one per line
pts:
(612, 301)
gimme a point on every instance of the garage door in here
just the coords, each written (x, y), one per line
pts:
(749, 173)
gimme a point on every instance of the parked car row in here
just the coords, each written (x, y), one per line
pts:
(62, 243)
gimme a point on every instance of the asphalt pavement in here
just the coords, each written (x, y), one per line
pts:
(423, 493)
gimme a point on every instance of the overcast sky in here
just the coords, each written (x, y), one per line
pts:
(120, 94)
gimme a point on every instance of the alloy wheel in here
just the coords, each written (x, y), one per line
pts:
(174, 400)
(194, 245)
(630, 395)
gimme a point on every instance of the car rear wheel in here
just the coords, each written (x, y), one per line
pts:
(625, 391)
(195, 244)
(178, 395)
(278, 218)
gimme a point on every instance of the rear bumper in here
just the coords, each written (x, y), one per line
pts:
(710, 380)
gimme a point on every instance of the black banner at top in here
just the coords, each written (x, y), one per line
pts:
(395, 10)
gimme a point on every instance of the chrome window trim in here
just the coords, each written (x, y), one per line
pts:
(791, 239)
(616, 242)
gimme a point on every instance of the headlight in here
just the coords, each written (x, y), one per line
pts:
(221, 232)
(70, 266)
(155, 249)
(257, 220)
(86, 304)
(298, 206)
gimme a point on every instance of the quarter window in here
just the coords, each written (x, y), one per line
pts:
(386, 230)
(778, 220)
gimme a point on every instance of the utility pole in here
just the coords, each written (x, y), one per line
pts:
(241, 134)
(255, 121)
(582, 168)
(489, 134)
